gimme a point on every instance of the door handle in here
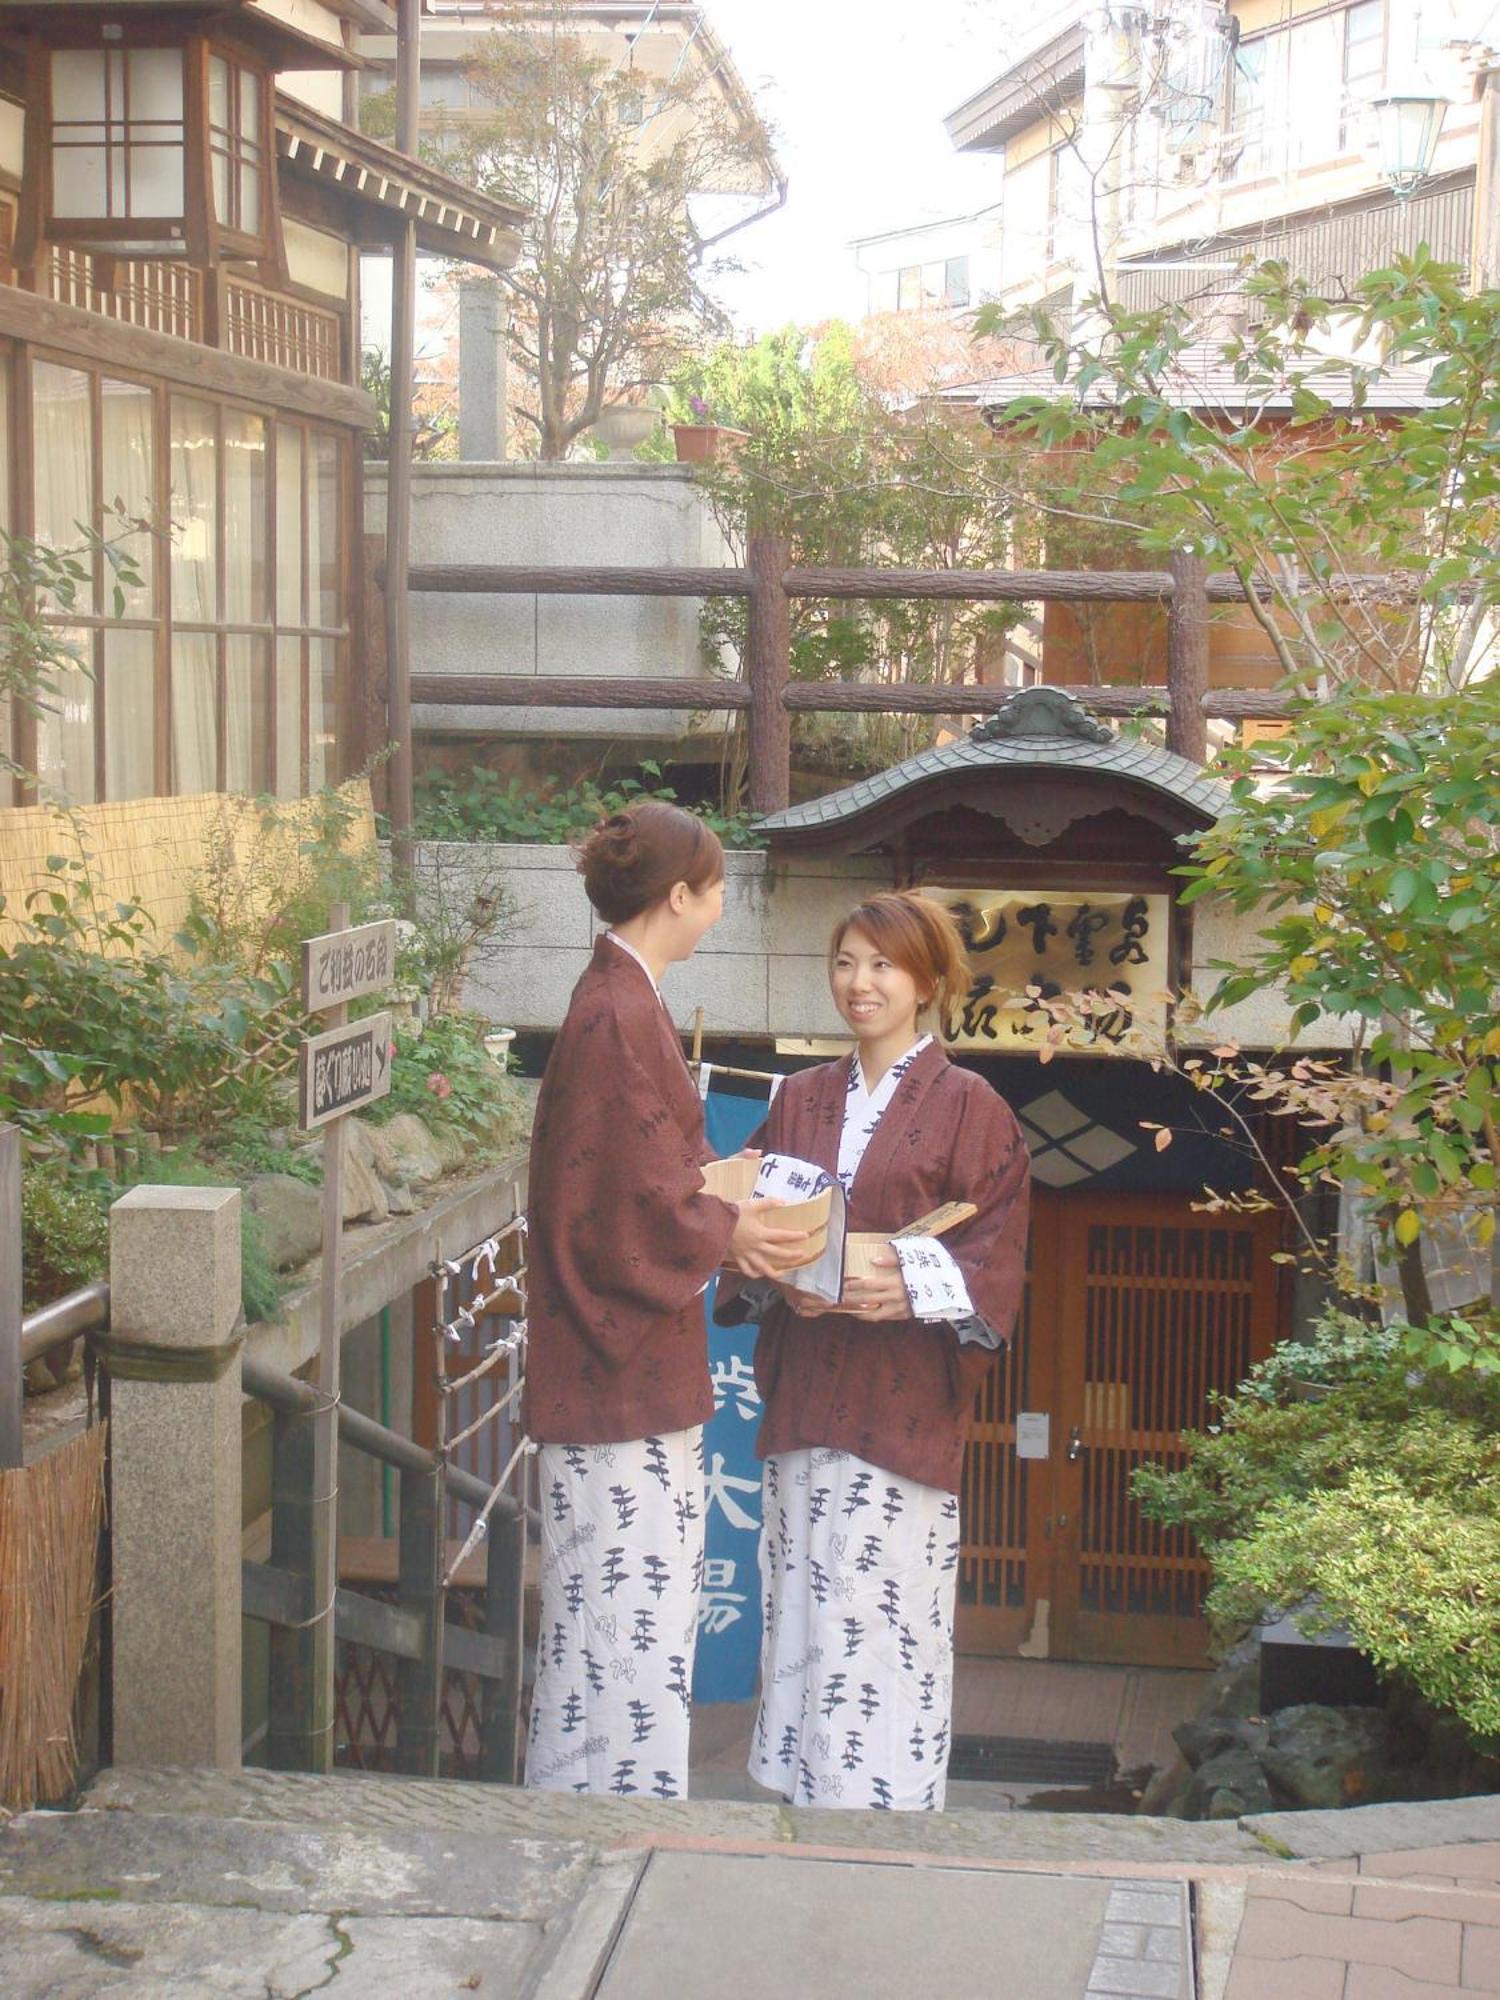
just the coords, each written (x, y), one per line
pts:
(1075, 1445)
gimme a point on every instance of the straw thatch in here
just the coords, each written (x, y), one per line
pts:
(49, 1543)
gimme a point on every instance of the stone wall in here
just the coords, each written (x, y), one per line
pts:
(559, 515)
(760, 972)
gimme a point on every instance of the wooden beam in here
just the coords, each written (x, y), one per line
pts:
(1187, 657)
(419, 1591)
(831, 697)
(528, 579)
(300, 1734)
(1099, 586)
(183, 363)
(574, 691)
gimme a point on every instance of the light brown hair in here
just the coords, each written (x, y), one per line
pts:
(634, 858)
(916, 934)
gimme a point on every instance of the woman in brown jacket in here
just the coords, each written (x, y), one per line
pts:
(623, 1240)
(866, 1405)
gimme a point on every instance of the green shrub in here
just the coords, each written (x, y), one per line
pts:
(1380, 1498)
(448, 1078)
(481, 805)
(64, 1230)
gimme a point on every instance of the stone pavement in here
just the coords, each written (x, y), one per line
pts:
(179, 1885)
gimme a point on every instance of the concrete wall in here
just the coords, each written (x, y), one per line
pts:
(760, 972)
(594, 514)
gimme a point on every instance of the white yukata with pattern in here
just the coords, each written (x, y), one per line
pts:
(622, 1565)
(858, 1574)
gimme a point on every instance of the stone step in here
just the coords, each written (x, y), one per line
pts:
(359, 1801)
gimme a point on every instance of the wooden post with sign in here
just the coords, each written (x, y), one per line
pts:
(340, 1070)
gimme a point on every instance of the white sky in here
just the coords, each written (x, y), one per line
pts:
(857, 91)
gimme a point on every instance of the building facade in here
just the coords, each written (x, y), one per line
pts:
(1148, 153)
(183, 211)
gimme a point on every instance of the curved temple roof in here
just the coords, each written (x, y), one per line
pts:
(1038, 729)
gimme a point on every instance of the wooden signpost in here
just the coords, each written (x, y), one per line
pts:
(341, 1070)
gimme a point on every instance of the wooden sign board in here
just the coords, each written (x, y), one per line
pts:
(1110, 943)
(345, 965)
(343, 1070)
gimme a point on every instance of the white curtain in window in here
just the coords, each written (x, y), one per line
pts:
(289, 550)
(65, 728)
(129, 470)
(195, 513)
(247, 718)
(129, 681)
(64, 462)
(246, 572)
(288, 718)
(323, 711)
(326, 601)
(194, 697)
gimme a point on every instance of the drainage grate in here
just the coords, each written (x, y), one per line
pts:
(1024, 1760)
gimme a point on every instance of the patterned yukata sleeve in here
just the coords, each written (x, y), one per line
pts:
(993, 1170)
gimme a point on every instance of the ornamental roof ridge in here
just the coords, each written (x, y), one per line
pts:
(1038, 727)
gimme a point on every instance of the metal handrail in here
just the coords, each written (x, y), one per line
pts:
(53, 1325)
(285, 1392)
(87, 1311)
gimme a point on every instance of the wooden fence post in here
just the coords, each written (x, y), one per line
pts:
(294, 1739)
(1187, 657)
(768, 666)
(11, 1388)
(419, 1683)
(504, 1619)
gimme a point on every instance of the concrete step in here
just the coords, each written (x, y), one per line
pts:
(360, 1801)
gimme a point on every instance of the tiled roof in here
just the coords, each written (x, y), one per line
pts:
(1201, 379)
(1042, 742)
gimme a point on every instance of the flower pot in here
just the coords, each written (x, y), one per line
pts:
(497, 1045)
(623, 426)
(701, 444)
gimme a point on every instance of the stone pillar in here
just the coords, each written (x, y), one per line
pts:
(481, 370)
(173, 1357)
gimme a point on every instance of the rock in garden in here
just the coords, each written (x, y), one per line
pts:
(450, 1145)
(1322, 1757)
(365, 1198)
(1225, 1786)
(290, 1214)
(372, 1144)
(1205, 1736)
(416, 1157)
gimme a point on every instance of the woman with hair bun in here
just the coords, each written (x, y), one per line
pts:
(623, 1241)
(866, 1406)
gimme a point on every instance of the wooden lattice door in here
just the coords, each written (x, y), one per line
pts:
(1137, 1309)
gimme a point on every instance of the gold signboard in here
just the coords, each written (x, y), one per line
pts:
(1060, 942)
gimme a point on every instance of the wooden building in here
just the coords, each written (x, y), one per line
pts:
(182, 215)
(1055, 841)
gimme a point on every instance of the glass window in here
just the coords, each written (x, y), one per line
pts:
(1364, 64)
(65, 728)
(246, 570)
(324, 594)
(129, 719)
(322, 692)
(62, 416)
(195, 512)
(236, 144)
(288, 718)
(956, 282)
(195, 763)
(128, 451)
(118, 136)
(247, 714)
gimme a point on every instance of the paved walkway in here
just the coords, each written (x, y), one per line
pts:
(175, 1886)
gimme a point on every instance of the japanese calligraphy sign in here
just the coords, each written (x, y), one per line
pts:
(343, 1070)
(1111, 944)
(345, 965)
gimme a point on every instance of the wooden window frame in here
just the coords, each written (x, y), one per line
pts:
(22, 356)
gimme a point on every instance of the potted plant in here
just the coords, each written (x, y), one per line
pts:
(702, 441)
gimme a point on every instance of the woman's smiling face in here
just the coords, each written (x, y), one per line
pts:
(874, 995)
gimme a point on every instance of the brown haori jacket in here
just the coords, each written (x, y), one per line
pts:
(622, 1236)
(898, 1393)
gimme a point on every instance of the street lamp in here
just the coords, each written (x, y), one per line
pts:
(1407, 128)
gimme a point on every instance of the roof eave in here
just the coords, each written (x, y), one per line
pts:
(1019, 96)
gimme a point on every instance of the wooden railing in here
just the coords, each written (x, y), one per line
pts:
(769, 582)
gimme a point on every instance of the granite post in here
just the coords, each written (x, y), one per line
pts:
(173, 1358)
(481, 370)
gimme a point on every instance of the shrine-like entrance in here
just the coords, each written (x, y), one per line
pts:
(1137, 1309)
